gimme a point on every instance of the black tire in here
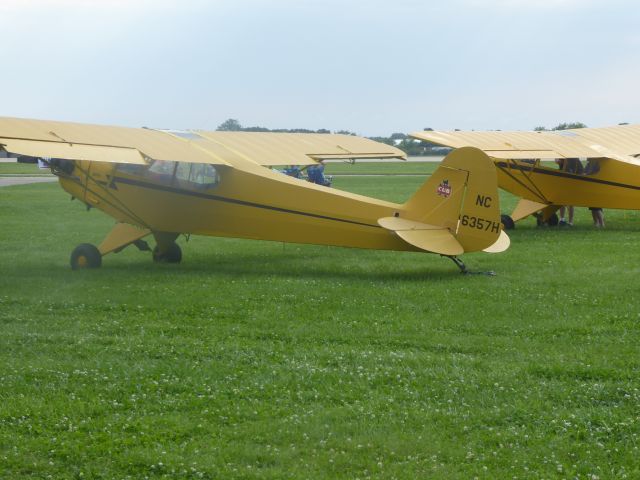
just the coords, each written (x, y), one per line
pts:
(85, 255)
(173, 254)
(553, 220)
(507, 222)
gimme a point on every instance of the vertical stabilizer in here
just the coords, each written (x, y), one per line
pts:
(462, 196)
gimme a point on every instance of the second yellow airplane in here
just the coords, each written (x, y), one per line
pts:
(610, 177)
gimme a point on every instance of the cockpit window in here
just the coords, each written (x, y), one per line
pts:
(162, 167)
(199, 175)
(132, 168)
(593, 166)
(203, 174)
(179, 174)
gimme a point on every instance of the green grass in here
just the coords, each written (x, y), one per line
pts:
(22, 168)
(257, 360)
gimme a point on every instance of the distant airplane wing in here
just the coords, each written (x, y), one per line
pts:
(268, 148)
(76, 141)
(619, 142)
(622, 139)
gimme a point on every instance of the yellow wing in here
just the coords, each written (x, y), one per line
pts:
(76, 141)
(267, 148)
(620, 142)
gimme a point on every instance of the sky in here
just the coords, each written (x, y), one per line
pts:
(372, 67)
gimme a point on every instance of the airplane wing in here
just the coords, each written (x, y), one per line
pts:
(76, 141)
(268, 148)
(620, 143)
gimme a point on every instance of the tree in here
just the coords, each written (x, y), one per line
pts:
(540, 129)
(230, 125)
(385, 140)
(345, 132)
(566, 126)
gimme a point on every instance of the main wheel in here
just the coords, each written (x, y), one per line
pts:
(553, 220)
(507, 222)
(173, 254)
(85, 255)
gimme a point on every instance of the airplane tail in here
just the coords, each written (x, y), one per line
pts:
(456, 210)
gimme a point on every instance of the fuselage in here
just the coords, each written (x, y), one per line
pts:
(615, 185)
(249, 201)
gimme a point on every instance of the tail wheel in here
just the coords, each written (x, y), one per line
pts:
(507, 222)
(172, 254)
(85, 255)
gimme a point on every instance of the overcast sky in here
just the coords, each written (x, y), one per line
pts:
(374, 67)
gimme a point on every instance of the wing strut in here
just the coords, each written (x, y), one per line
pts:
(511, 164)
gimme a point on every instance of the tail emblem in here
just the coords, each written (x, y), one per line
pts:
(444, 189)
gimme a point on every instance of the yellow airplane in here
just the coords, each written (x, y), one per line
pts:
(610, 178)
(167, 183)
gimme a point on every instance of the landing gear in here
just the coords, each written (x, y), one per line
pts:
(460, 264)
(85, 255)
(552, 221)
(507, 222)
(463, 268)
(170, 254)
(121, 236)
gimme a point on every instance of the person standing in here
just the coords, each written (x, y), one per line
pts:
(597, 213)
(573, 166)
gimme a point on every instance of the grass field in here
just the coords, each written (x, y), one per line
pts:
(263, 360)
(21, 168)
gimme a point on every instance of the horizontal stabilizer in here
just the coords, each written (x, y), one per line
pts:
(425, 237)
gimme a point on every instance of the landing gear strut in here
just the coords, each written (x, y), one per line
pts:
(463, 268)
(459, 263)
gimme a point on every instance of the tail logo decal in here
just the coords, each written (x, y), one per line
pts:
(444, 189)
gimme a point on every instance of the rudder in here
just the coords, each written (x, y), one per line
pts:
(462, 196)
